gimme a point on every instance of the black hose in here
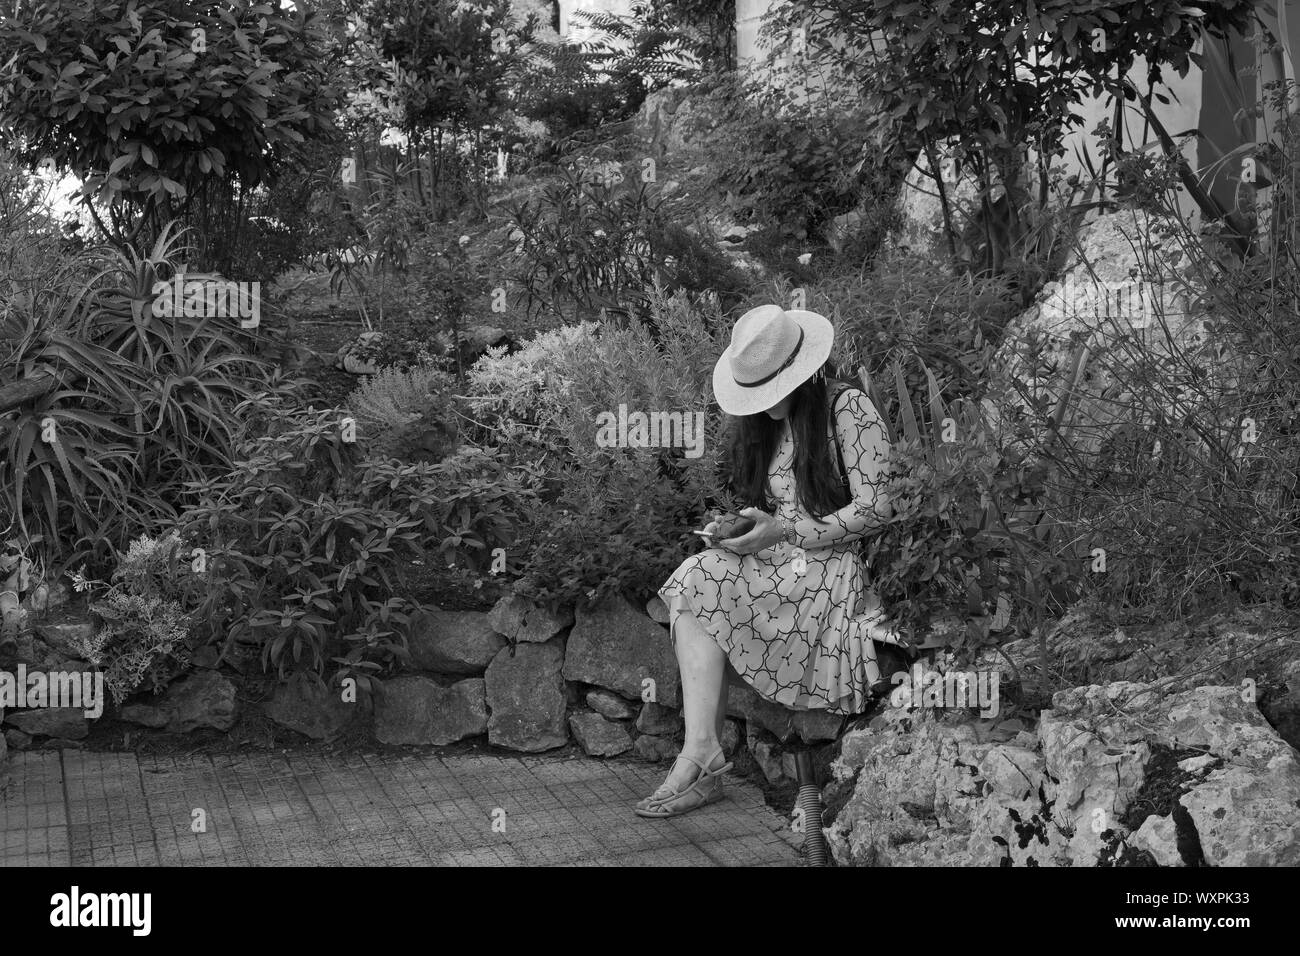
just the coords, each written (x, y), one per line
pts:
(809, 803)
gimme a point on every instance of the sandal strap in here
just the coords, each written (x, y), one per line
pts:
(665, 793)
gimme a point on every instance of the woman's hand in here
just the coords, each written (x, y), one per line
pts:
(767, 531)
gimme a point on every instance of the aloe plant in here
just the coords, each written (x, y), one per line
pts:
(112, 408)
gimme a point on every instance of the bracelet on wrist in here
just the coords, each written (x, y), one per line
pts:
(787, 531)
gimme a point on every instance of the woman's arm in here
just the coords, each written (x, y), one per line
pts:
(865, 446)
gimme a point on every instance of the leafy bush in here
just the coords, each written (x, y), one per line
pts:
(575, 88)
(125, 407)
(793, 162)
(962, 555)
(609, 518)
(142, 624)
(1001, 82)
(307, 542)
(900, 309)
(400, 411)
(598, 236)
(123, 102)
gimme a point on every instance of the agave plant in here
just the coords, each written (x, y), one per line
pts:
(111, 409)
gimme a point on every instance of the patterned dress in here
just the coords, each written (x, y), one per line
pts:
(799, 632)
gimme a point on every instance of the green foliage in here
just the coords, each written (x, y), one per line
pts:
(125, 100)
(454, 60)
(901, 308)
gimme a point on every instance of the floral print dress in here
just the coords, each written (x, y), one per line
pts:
(799, 631)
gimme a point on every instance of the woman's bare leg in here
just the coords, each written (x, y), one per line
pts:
(704, 694)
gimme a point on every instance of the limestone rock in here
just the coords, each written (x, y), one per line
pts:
(17, 739)
(1159, 837)
(1198, 765)
(1237, 647)
(203, 699)
(1248, 816)
(519, 619)
(615, 646)
(938, 790)
(1126, 276)
(417, 710)
(313, 711)
(526, 696)
(454, 642)
(599, 737)
(610, 705)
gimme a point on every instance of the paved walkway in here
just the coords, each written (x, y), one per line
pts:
(106, 809)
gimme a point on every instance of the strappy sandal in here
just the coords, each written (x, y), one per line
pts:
(706, 788)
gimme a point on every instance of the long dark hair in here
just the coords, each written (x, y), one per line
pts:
(816, 472)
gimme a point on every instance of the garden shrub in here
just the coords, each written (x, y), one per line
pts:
(596, 237)
(900, 307)
(792, 162)
(139, 403)
(963, 555)
(610, 518)
(404, 413)
(308, 540)
(142, 622)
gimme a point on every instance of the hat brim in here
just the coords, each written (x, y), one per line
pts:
(737, 399)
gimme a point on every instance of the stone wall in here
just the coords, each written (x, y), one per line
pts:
(519, 677)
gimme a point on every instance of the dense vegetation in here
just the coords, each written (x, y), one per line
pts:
(501, 213)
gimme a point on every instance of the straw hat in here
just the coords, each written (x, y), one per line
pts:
(772, 352)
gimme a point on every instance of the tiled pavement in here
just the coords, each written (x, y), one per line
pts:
(104, 809)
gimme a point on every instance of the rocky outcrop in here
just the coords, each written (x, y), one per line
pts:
(1126, 277)
(610, 705)
(416, 710)
(658, 720)
(1110, 777)
(810, 726)
(655, 749)
(1244, 647)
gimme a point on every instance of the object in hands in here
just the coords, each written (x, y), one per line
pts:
(733, 526)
